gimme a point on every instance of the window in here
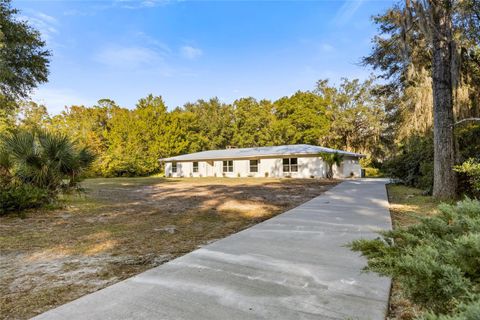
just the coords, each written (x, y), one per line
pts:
(228, 166)
(254, 165)
(195, 167)
(290, 165)
(174, 167)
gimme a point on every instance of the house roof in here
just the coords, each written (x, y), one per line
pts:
(294, 149)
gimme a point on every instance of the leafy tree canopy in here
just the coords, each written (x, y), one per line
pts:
(23, 57)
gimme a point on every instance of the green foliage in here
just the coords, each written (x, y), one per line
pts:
(372, 167)
(20, 197)
(413, 161)
(373, 172)
(468, 139)
(469, 311)
(24, 60)
(212, 124)
(135, 139)
(413, 164)
(356, 115)
(330, 159)
(301, 118)
(130, 142)
(437, 261)
(7, 115)
(469, 152)
(402, 56)
(45, 160)
(87, 127)
(407, 51)
(252, 123)
(35, 166)
(471, 168)
(33, 116)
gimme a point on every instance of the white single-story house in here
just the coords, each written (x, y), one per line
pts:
(295, 161)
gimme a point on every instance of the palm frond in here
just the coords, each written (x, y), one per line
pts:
(58, 151)
(330, 159)
(86, 157)
(43, 159)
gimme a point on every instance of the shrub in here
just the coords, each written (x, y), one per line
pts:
(37, 166)
(369, 162)
(467, 135)
(437, 261)
(471, 169)
(413, 164)
(21, 197)
(373, 172)
(45, 160)
(464, 312)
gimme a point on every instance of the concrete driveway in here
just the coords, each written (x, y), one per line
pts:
(293, 266)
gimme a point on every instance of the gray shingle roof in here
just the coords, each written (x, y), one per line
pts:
(294, 149)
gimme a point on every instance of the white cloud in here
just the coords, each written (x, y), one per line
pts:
(327, 47)
(149, 3)
(153, 42)
(79, 13)
(347, 10)
(46, 18)
(190, 53)
(135, 4)
(47, 25)
(94, 7)
(128, 57)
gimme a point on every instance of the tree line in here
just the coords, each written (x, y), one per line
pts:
(129, 142)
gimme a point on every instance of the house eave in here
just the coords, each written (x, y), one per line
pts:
(271, 156)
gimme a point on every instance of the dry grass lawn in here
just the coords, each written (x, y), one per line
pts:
(406, 204)
(123, 226)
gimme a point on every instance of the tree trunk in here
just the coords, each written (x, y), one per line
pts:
(444, 180)
(330, 171)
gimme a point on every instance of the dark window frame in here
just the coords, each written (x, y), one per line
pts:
(195, 167)
(174, 167)
(290, 165)
(227, 166)
(255, 166)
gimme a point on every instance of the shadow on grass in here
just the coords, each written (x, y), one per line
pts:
(123, 226)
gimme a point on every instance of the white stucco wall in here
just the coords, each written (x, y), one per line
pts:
(271, 167)
(351, 167)
(308, 167)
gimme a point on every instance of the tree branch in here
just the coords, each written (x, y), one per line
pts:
(465, 120)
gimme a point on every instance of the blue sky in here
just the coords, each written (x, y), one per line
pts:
(188, 50)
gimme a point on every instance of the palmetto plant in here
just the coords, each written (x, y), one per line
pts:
(330, 159)
(46, 160)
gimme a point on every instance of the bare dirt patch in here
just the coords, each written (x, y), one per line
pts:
(123, 226)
